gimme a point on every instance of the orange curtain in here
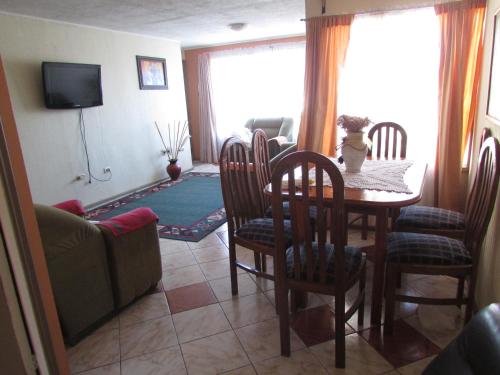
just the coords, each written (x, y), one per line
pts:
(461, 26)
(327, 39)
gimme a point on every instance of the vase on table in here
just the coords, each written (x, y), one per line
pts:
(173, 169)
(354, 150)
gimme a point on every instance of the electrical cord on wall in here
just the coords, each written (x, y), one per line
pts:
(85, 148)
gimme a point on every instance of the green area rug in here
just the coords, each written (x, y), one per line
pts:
(189, 208)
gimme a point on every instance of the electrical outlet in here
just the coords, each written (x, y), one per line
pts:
(107, 169)
(80, 177)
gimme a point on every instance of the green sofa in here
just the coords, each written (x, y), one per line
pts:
(94, 272)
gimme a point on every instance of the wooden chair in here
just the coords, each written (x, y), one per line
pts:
(326, 266)
(431, 254)
(261, 166)
(247, 225)
(394, 140)
(388, 141)
(262, 169)
(433, 220)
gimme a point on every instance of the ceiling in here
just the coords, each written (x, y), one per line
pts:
(193, 23)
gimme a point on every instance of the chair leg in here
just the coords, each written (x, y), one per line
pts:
(276, 292)
(364, 227)
(284, 320)
(340, 331)
(362, 289)
(264, 263)
(470, 299)
(390, 299)
(460, 291)
(400, 280)
(395, 212)
(232, 268)
(293, 301)
(313, 230)
(346, 224)
(256, 257)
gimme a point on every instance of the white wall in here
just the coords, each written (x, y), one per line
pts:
(120, 134)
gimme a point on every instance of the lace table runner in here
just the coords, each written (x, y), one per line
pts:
(383, 175)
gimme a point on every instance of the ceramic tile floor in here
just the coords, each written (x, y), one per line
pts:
(192, 324)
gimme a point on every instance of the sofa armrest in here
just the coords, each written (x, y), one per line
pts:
(279, 140)
(73, 206)
(129, 221)
(286, 145)
(281, 155)
(274, 145)
(286, 129)
(476, 350)
(134, 254)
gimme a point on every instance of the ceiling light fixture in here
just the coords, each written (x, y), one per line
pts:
(237, 26)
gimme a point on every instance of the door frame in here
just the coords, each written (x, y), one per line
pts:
(24, 247)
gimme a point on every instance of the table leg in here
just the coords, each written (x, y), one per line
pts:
(378, 274)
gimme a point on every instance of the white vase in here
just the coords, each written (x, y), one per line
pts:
(354, 150)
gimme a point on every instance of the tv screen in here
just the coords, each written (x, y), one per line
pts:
(67, 85)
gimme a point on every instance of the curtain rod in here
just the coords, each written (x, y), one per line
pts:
(420, 6)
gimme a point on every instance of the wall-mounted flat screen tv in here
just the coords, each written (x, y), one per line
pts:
(67, 85)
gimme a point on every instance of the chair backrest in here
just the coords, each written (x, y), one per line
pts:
(237, 186)
(261, 166)
(301, 196)
(389, 138)
(485, 134)
(482, 196)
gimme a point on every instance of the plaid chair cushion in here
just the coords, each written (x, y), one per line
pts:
(353, 256)
(422, 249)
(261, 230)
(313, 211)
(431, 218)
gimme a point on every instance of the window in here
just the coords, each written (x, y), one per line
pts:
(391, 74)
(265, 81)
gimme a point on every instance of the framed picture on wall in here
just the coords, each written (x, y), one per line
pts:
(152, 73)
(493, 110)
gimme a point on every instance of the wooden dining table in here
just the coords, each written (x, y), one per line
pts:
(379, 203)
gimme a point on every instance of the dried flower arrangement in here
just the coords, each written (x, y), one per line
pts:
(177, 138)
(353, 124)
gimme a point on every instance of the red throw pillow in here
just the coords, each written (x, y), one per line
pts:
(73, 206)
(129, 221)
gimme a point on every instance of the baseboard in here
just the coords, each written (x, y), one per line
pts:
(124, 194)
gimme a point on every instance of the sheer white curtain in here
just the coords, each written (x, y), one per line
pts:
(265, 81)
(391, 74)
(208, 145)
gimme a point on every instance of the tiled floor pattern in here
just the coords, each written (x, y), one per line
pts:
(192, 324)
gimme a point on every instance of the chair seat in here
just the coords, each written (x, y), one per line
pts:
(261, 230)
(426, 249)
(353, 256)
(424, 217)
(313, 211)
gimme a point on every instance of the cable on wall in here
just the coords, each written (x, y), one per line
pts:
(85, 148)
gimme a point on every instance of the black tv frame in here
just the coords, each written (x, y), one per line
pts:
(49, 105)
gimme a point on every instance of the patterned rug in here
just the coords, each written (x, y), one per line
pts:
(189, 208)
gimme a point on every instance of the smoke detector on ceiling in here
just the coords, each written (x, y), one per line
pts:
(237, 26)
